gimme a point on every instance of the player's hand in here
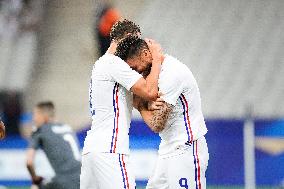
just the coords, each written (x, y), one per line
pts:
(156, 105)
(2, 130)
(156, 50)
(37, 180)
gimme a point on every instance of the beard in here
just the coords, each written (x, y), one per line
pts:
(147, 71)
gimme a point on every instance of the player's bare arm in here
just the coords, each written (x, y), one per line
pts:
(159, 117)
(30, 166)
(2, 130)
(148, 88)
(156, 114)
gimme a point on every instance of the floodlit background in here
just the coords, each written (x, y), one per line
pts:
(235, 49)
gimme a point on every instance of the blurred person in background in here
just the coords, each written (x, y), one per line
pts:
(19, 15)
(9, 14)
(59, 143)
(11, 105)
(106, 17)
(183, 152)
(2, 130)
(18, 22)
(105, 159)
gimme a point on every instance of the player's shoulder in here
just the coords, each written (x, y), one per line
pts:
(107, 63)
(36, 132)
(174, 64)
(108, 59)
(60, 128)
(103, 59)
(173, 68)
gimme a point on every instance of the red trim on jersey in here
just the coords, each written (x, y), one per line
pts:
(124, 167)
(187, 117)
(198, 167)
(117, 117)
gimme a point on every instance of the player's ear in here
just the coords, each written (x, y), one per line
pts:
(146, 53)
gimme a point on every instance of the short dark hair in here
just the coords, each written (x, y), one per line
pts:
(123, 27)
(130, 46)
(47, 107)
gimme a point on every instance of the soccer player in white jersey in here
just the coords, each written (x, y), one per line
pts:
(178, 118)
(105, 163)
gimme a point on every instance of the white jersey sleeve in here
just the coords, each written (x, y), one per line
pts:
(121, 72)
(171, 88)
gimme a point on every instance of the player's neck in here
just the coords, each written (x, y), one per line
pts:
(47, 122)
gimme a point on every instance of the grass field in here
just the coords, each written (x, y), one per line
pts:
(209, 187)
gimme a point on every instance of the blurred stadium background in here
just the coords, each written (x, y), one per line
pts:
(235, 49)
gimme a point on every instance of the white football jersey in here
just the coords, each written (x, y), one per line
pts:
(186, 122)
(110, 105)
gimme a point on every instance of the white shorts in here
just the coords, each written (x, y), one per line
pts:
(106, 171)
(184, 168)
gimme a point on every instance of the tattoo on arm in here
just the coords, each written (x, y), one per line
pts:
(159, 118)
